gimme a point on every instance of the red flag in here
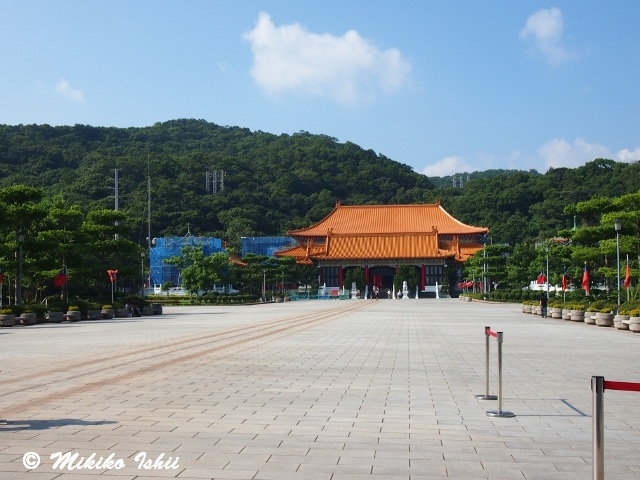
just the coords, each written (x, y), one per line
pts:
(113, 275)
(1, 275)
(585, 278)
(542, 278)
(564, 282)
(61, 278)
(627, 276)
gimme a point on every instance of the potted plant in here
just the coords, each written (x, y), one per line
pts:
(577, 312)
(555, 309)
(634, 320)
(73, 314)
(604, 318)
(28, 317)
(107, 311)
(55, 315)
(7, 318)
(621, 320)
(590, 314)
(94, 312)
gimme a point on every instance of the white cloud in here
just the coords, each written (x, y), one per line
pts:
(448, 166)
(628, 155)
(348, 69)
(560, 153)
(64, 88)
(545, 28)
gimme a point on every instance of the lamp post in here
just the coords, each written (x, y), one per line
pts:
(142, 270)
(546, 249)
(264, 285)
(618, 225)
(20, 238)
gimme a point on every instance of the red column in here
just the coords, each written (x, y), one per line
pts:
(422, 276)
(366, 274)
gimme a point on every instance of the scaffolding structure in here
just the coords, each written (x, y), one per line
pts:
(264, 245)
(164, 248)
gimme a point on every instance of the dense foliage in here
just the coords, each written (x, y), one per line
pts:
(57, 187)
(274, 183)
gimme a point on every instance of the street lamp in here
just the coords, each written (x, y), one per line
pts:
(142, 270)
(618, 225)
(264, 285)
(546, 249)
(20, 238)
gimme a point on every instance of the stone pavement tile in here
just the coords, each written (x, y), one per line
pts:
(335, 469)
(299, 459)
(87, 476)
(225, 474)
(241, 464)
(261, 450)
(350, 476)
(397, 463)
(261, 475)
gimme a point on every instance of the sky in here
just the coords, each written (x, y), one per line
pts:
(444, 87)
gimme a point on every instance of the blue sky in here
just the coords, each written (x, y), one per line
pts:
(444, 87)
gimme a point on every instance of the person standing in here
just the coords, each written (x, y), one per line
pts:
(543, 306)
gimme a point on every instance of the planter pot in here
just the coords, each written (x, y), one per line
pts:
(157, 308)
(577, 315)
(621, 322)
(7, 320)
(74, 315)
(566, 314)
(107, 313)
(526, 308)
(590, 318)
(604, 319)
(28, 319)
(634, 324)
(147, 311)
(122, 313)
(556, 312)
(467, 299)
(94, 315)
(55, 317)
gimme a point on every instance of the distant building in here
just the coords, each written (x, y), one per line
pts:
(166, 247)
(264, 245)
(379, 238)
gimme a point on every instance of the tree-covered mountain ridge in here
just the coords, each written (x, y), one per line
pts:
(230, 182)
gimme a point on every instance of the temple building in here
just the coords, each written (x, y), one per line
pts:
(379, 238)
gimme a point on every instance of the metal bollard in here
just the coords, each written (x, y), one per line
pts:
(597, 389)
(486, 395)
(499, 412)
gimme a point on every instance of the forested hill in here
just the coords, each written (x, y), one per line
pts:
(273, 183)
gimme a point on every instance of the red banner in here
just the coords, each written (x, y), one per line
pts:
(113, 275)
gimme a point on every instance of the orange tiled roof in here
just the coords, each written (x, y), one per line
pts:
(382, 246)
(389, 219)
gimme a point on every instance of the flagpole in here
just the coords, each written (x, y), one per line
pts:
(629, 283)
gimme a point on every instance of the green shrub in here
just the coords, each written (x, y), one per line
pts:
(82, 305)
(38, 308)
(629, 305)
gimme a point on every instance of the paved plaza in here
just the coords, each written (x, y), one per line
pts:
(326, 390)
